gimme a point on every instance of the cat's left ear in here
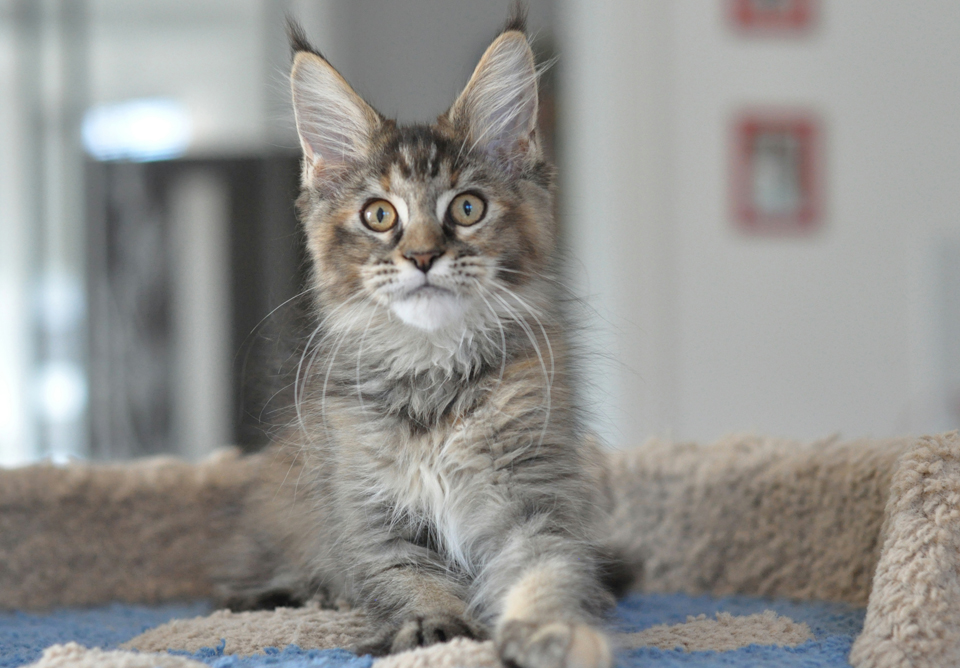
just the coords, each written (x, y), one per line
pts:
(334, 123)
(497, 111)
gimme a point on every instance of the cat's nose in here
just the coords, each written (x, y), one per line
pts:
(423, 260)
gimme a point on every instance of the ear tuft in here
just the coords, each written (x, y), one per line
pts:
(298, 39)
(518, 18)
(497, 111)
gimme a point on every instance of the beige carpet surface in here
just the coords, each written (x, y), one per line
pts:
(252, 632)
(73, 655)
(724, 633)
(863, 522)
(914, 614)
(138, 532)
(752, 515)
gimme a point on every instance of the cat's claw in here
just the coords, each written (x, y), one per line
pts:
(421, 631)
(524, 644)
(429, 629)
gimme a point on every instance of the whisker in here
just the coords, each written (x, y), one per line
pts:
(326, 379)
(546, 338)
(503, 336)
(546, 377)
(300, 387)
(363, 408)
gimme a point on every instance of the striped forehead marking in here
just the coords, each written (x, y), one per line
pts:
(419, 160)
(433, 165)
(405, 161)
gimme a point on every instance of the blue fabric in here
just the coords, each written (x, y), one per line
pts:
(834, 626)
(291, 657)
(23, 637)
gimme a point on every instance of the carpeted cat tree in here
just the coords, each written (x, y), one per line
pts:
(779, 544)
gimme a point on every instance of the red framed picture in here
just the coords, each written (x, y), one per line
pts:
(772, 16)
(777, 172)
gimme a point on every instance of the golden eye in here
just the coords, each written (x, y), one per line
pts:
(467, 209)
(379, 215)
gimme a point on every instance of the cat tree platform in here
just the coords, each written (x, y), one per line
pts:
(780, 528)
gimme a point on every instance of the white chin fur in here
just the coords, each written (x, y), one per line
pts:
(429, 311)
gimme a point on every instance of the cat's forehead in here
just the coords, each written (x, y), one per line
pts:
(426, 155)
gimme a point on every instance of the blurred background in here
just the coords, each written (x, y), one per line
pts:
(760, 199)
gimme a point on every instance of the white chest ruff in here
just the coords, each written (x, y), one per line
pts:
(435, 485)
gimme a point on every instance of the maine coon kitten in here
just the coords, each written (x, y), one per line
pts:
(438, 476)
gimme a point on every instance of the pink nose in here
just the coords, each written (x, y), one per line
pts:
(423, 261)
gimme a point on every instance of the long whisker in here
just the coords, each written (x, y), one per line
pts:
(300, 387)
(274, 310)
(297, 391)
(243, 368)
(287, 474)
(530, 310)
(326, 379)
(546, 377)
(503, 336)
(363, 408)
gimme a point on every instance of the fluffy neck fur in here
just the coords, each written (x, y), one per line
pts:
(364, 352)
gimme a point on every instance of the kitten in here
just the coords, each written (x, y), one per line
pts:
(438, 476)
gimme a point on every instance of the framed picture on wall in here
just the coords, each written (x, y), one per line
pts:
(776, 172)
(773, 16)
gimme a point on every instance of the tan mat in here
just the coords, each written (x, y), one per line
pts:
(914, 614)
(249, 633)
(73, 655)
(863, 522)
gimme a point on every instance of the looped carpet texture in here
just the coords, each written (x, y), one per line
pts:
(860, 523)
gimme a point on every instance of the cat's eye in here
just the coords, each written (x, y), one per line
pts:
(467, 209)
(379, 215)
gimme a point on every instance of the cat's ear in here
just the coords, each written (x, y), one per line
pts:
(334, 123)
(497, 111)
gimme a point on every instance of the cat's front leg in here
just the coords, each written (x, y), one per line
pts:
(416, 608)
(550, 601)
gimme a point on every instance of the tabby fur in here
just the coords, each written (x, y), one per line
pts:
(437, 473)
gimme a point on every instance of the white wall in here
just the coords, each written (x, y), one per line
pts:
(615, 77)
(16, 351)
(718, 331)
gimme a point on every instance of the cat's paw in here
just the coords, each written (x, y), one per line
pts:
(267, 600)
(421, 631)
(523, 644)
(424, 630)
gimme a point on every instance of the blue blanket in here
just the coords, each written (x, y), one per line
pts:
(24, 636)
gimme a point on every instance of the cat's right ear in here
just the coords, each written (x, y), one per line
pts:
(334, 123)
(497, 111)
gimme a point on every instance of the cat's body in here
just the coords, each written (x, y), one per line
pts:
(437, 475)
